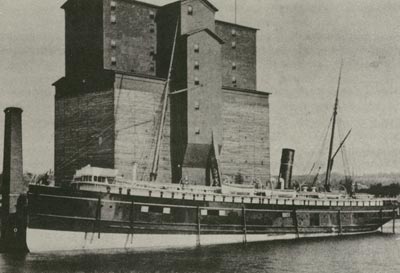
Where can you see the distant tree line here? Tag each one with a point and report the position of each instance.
(379, 190)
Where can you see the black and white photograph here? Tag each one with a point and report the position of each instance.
(196, 136)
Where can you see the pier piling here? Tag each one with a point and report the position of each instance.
(13, 188)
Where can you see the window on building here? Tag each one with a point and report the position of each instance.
(113, 5)
(113, 61)
(152, 28)
(197, 131)
(113, 19)
(113, 44)
(233, 32)
(234, 81)
(196, 48)
(233, 66)
(233, 44)
(152, 67)
(197, 105)
(196, 65)
(151, 14)
(196, 81)
(190, 10)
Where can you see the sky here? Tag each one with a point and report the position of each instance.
(300, 47)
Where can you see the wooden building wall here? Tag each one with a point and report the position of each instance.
(239, 55)
(138, 104)
(246, 149)
(84, 133)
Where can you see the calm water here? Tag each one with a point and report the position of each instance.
(372, 253)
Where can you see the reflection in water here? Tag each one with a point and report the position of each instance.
(372, 253)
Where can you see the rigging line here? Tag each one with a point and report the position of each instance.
(318, 153)
(88, 142)
(73, 159)
(345, 161)
(235, 12)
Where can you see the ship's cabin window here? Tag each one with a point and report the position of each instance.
(95, 179)
(87, 178)
(190, 10)
(110, 180)
(101, 179)
(78, 179)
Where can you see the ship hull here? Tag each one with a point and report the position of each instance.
(82, 220)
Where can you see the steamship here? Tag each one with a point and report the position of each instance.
(107, 202)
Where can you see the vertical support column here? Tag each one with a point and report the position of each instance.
(340, 222)
(13, 188)
(96, 224)
(296, 224)
(394, 221)
(244, 225)
(132, 219)
(198, 242)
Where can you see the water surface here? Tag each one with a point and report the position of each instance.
(371, 253)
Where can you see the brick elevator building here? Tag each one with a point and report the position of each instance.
(108, 107)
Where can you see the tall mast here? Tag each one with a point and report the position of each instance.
(329, 164)
(156, 158)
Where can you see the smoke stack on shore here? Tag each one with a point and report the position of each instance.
(13, 188)
(286, 169)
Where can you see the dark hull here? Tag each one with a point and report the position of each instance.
(199, 215)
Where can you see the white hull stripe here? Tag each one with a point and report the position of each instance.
(40, 240)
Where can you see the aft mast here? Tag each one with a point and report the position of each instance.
(329, 164)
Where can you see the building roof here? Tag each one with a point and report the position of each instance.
(236, 25)
(210, 32)
(207, 3)
(66, 4)
(244, 90)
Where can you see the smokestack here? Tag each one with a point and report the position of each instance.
(13, 189)
(13, 183)
(286, 167)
